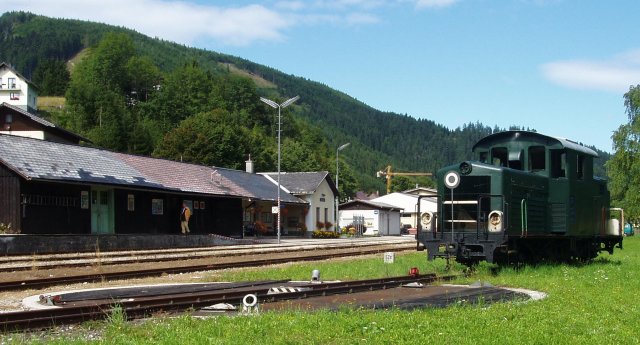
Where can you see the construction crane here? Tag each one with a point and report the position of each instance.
(388, 174)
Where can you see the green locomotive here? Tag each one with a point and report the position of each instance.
(528, 198)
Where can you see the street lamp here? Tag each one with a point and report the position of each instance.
(340, 148)
(279, 106)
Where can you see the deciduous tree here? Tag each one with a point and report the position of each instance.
(624, 166)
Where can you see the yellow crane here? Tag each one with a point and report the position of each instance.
(388, 174)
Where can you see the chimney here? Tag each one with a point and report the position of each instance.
(249, 163)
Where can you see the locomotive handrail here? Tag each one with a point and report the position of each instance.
(523, 218)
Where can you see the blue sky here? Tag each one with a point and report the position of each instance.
(559, 66)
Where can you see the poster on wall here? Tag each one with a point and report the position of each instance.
(84, 199)
(157, 206)
(131, 202)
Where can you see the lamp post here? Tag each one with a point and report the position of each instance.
(279, 106)
(340, 148)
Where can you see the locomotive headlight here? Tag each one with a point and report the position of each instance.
(465, 168)
(495, 221)
(426, 218)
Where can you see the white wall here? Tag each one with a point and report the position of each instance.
(322, 198)
(27, 95)
(385, 222)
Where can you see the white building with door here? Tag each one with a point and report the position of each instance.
(379, 218)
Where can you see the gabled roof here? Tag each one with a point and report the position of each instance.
(35, 159)
(7, 66)
(407, 202)
(302, 183)
(48, 126)
(421, 191)
(367, 204)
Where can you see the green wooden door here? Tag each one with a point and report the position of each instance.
(101, 211)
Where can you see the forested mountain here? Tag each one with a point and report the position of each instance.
(137, 94)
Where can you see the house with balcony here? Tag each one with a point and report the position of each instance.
(16, 90)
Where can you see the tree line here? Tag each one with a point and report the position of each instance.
(141, 95)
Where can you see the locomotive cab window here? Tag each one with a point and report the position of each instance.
(536, 158)
(580, 167)
(483, 157)
(499, 156)
(558, 163)
(515, 160)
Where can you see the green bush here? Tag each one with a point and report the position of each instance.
(5, 228)
(324, 234)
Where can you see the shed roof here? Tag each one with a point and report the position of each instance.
(35, 159)
(407, 202)
(367, 204)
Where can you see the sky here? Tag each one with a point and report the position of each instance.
(561, 67)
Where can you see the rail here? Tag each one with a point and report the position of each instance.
(144, 306)
(51, 281)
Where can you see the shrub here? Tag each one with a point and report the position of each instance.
(328, 225)
(319, 225)
(325, 234)
(5, 228)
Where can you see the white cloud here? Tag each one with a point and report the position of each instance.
(179, 21)
(362, 18)
(615, 74)
(188, 22)
(435, 3)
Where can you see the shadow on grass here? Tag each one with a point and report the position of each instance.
(600, 261)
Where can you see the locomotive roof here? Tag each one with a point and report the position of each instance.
(510, 136)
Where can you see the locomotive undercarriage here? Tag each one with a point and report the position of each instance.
(468, 249)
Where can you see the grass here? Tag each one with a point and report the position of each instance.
(51, 102)
(586, 304)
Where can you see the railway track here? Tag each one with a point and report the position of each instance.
(145, 306)
(26, 263)
(34, 283)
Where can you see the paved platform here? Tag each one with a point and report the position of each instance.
(50, 244)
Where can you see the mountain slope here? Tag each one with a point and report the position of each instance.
(378, 138)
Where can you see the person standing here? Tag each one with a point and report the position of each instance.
(185, 214)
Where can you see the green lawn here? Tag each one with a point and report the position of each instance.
(586, 304)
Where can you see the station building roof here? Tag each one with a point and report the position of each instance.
(35, 159)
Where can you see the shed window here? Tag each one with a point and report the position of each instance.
(536, 158)
(558, 163)
(499, 156)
